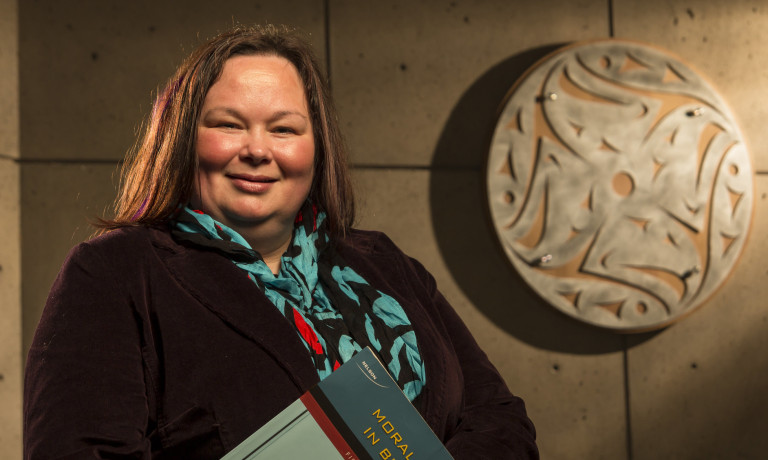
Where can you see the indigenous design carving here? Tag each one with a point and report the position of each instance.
(619, 185)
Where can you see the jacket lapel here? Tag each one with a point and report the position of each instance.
(227, 292)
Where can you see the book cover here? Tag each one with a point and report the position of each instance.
(358, 412)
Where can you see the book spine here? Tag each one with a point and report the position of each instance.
(333, 426)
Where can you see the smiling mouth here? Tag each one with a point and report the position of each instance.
(252, 184)
(251, 178)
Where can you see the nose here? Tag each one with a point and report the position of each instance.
(256, 148)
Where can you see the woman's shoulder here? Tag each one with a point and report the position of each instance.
(370, 241)
(125, 240)
(377, 249)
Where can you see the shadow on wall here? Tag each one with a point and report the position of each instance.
(465, 234)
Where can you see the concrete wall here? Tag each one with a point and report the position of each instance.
(10, 247)
(417, 85)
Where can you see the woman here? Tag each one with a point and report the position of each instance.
(230, 282)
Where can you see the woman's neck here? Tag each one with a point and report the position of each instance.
(272, 258)
(271, 245)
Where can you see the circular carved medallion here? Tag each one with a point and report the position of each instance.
(619, 184)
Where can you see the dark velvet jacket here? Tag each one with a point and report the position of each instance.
(151, 349)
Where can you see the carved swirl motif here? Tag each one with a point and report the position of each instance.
(619, 185)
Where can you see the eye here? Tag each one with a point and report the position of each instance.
(285, 130)
(222, 123)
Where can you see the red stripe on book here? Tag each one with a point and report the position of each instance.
(327, 426)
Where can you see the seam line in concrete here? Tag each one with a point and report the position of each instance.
(457, 168)
(627, 404)
(68, 161)
(383, 166)
(436, 168)
(327, 31)
(610, 19)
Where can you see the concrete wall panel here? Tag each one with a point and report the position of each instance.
(9, 83)
(725, 41)
(89, 68)
(399, 67)
(698, 388)
(10, 251)
(10, 311)
(58, 202)
(575, 399)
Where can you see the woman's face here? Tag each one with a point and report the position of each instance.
(255, 146)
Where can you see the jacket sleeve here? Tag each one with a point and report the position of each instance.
(493, 423)
(85, 394)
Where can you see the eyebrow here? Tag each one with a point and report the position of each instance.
(285, 113)
(275, 116)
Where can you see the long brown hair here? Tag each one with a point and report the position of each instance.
(159, 172)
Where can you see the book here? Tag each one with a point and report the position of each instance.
(357, 413)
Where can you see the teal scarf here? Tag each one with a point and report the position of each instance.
(335, 312)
